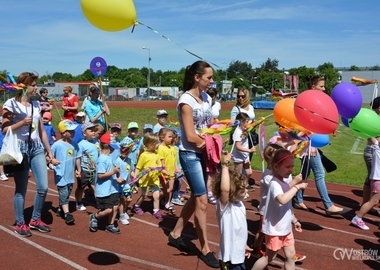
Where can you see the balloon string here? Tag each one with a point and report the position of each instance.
(306, 159)
(168, 39)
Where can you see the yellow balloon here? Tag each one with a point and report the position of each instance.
(110, 15)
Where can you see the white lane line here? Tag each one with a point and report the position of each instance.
(148, 263)
(274, 262)
(47, 251)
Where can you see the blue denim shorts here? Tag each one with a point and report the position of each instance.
(64, 193)
(194, 168)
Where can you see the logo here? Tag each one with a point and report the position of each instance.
(351, 254)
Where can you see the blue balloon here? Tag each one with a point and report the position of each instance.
(345, 121)
(319, 140)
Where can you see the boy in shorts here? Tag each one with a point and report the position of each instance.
(89, 153)
(126, 167)
(66, 152)
(106, 186)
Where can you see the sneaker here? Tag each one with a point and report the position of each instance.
(69, 218)
(358, 222)
(126, 216)
(158, 214)
(138, 210)
(177, 201)
(23, 230)
(210, 260)
(39, 225)
(3, 177)
(258, 253)
(81, 207)
(299, 257)
(178, 243)
(123, 219)
(112, 229)
(93, 223)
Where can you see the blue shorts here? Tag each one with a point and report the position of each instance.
(194, 168)
(64, 193)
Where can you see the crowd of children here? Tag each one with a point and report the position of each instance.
(105, 171)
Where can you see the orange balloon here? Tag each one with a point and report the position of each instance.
(284, 114)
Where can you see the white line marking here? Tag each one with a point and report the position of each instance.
(148, 263)
(47, 251)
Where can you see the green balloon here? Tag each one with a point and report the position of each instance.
(365, 124)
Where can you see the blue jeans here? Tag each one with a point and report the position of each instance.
(38, 166)
(319, 175)
(194, 168)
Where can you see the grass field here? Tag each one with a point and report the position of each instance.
(345, 149)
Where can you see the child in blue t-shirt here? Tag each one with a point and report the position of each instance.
(50, 132)
(89, 153)
(106, 186)
(79, 120)
(126, 167)
(66, 152)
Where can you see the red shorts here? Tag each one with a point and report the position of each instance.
(275, 243)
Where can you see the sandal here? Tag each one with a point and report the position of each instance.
(211, 199)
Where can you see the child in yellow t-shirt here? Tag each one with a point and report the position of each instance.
(148, 169)
(168, 156)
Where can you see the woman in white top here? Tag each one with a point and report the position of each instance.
(23, 116)
(194, 113)
(216, 107)
(243, 104)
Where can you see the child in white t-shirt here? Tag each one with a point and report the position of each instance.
(278, 214)
(229, 189)
(241, 150)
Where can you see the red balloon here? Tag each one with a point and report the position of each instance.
(316, 111)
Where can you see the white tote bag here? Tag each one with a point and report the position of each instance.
(10, 153)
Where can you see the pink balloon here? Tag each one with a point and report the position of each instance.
(316, 111)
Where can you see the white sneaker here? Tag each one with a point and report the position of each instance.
(358, 222)
(123, 219)
(3, 177)
(126, 216)
(81, 207)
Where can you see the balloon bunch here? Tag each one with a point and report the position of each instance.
(143, 173)
(363, 122)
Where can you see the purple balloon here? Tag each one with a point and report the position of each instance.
(345, 121)
(348, 99)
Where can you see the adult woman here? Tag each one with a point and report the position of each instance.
(19, 114)
(243, 104)
(215, 109)
(215, 104)
(70, 103)
(194, 113)
(94, 108)
(44, 102)
(315, 164)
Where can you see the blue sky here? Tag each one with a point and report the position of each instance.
(50, 36)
